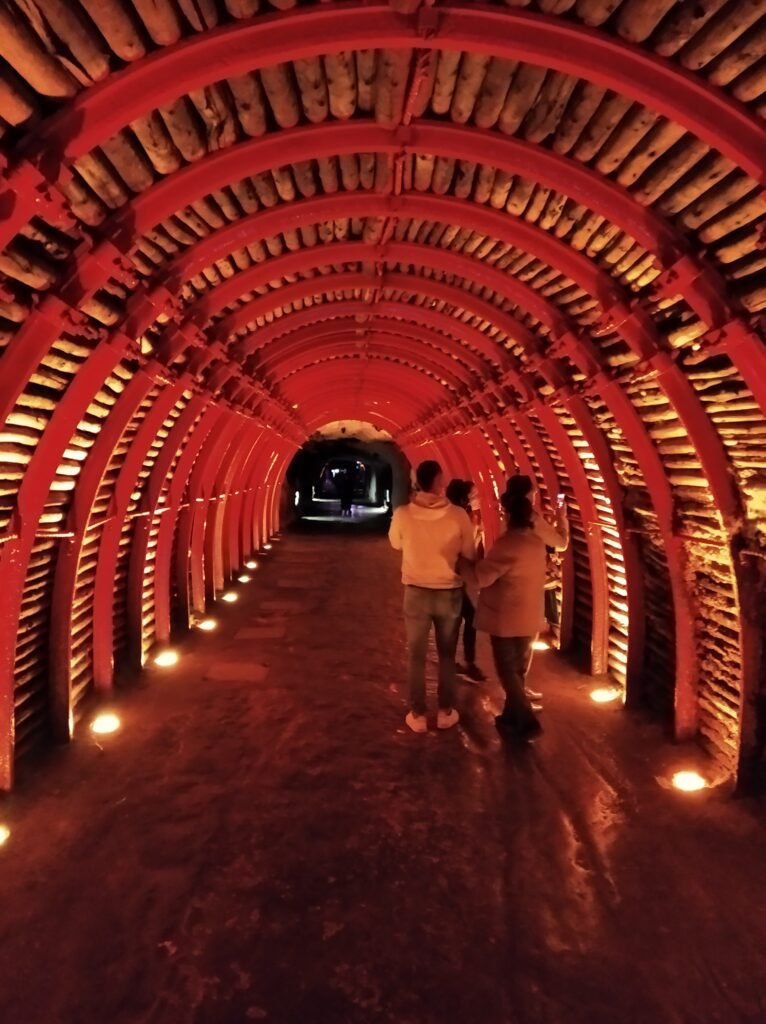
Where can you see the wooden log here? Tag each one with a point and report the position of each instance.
(84, 53)
(20, 47)
(637, 19)
(117, 25)
(366, 76)
(129, 160)
(281, 95)
(201, 14)
(156, 142)
(18, 264)
(160, 19)
(215, 109)
(265, 189)
(711, 169)
(551, 100)
(424, 169)
(749, 49)
(181, 120)
(662, 176)
(249, 102)
(720, 32)
(340, 69)
(17, 102)
(473, 68)
(445, 80)
(751, 85)
(658, 141)
(627, 137)
(246, 195)
(328, 173)
(716, 200)
(391, 86)
(466, 171)
(242, 8)
(683, 23)
(367, 170)
(596, 12)
(97, 173)
(494, 89)
(600, 127)
(312, 85)
(522, 94)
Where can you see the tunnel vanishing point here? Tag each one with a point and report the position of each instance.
(513, 236)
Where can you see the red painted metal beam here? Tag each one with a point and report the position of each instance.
(108, 549)
(65, 585)
(407, 339)
(228, 471)
(30, 503)
(175, 496)
(287, 364)
(149, 508)
(516, 35)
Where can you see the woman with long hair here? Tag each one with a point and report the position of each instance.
(459, 493)
(511, 582)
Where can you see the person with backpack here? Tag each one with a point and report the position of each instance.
(432, 534)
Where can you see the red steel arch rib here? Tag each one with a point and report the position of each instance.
(475, 28)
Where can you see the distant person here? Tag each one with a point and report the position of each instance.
(346, 493)
(432, 534)
(459, 493)
(511, 582)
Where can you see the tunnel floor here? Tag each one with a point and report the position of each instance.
(265, 841)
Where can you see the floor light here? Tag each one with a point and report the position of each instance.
(166, 659)
(105, 724)
(689, 781)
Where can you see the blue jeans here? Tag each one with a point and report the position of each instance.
(422, 609)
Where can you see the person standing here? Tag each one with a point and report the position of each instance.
(432, 534)
(511, 582)
(459, 492)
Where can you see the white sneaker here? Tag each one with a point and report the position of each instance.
(533, 694)
(418, 723)
(447, 718)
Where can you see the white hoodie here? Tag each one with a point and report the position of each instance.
(431, 533)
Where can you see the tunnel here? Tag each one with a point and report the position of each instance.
(248, 243)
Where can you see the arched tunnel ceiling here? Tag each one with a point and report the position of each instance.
(520, 235)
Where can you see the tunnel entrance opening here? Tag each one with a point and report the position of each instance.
(348, 475)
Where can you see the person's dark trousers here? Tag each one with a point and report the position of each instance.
(424, 608)
(469, 631)
(513, 656)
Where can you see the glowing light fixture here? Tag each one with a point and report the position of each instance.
(230, 597)
(208, 625)
(5, 834)
(605, 694)
(689, 781)
(267, 547)
(251, 565)
(105, 724)
(244, 578)
(540, 645)
(166, 659)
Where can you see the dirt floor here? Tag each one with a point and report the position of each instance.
(265, 841)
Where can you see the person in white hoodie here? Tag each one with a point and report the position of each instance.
(432, 535)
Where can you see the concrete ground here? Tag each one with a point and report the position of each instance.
(265, 841)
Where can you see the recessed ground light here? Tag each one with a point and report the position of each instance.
(5, 834)
(244, 578)
(540, 645)
(105, 724)
(251, 565)
(165, 659)
(230, 597)
(605, 694)
(689, 781)
(267, 547)
(207, 625)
